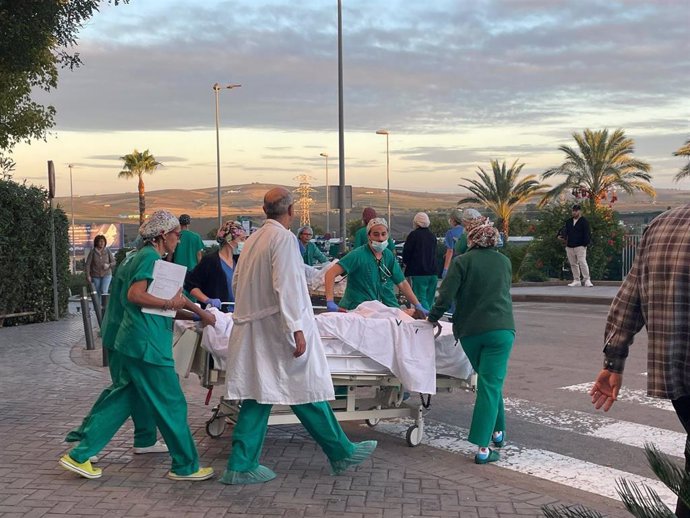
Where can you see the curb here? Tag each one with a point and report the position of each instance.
(572, 299)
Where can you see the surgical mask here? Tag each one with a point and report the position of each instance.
(379, 246)
(239, 247)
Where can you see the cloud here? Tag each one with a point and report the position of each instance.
(416, 67)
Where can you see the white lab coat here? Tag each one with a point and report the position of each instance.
(271, 303)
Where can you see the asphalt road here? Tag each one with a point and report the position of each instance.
(557, 346)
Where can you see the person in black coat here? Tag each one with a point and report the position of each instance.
(577, 235)
(211, 280)
(419, 258)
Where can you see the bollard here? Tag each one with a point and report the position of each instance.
(86, 316)
(95, 299)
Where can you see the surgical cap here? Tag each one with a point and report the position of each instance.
(185, 219)
(471, 218)
(368, 214)
(230, 228)
(421, 220)
(456, 216)
(161, 222)
(376, 221)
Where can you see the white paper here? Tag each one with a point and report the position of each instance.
(168, 279)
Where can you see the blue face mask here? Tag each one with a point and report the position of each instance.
(378, 246)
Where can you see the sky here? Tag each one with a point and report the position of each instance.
(456, 83)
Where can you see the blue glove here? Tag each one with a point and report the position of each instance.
(422, 309)
(196, 318)
(332, 306)
(213, 302)
(443, 275)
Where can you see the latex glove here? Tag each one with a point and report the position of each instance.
(196, 317)
(445, 272)
(213, 302)
(332, 306)
(422, 309)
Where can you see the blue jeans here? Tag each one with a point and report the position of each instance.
(101, 284)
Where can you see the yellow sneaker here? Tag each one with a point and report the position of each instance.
(84, 469)
(201, 474)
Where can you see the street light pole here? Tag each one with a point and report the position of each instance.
(328, 204)
(71, 202)
(388, 175)
(341, 133)
(216, 88)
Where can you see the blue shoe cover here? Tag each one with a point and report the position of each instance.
(360, 454)
(256, 476)
(499, 440)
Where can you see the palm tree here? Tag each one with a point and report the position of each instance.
(685, 171)
(600, 164)
(502, 193)
(136, 164)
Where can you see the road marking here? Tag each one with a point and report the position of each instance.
(543, 464)
(600, 426)
(628, 395)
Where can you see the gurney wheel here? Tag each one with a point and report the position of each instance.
(413, 436)
(215, 426)
(372, 422)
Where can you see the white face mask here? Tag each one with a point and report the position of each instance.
(239, 247)
(379, 246)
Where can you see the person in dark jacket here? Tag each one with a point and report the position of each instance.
(577, 235)
(419, 258)
(211, 281)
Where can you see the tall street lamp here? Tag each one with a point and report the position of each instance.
(71, 202)
(328, 204)
(216, 88)
(388, 175)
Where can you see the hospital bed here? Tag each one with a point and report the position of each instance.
(373, 390)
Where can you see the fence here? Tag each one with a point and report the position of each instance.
(630, 244)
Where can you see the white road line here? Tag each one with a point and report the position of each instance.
(591, 425)
(629, 396)
(543, 464)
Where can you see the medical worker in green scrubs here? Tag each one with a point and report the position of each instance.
(146, 371)
(142, 417)
(372, 273)
(310, 252)
(479, 283)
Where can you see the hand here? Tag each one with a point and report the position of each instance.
(207, 319)
(178, 301)
(88, 279)
(421, 309)
(213, 302)
(332, 306)
(604, 392)
(445, 272)
(300, 344)
(436, 327)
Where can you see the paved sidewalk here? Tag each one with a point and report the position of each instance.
(561, 293)
(48, 383)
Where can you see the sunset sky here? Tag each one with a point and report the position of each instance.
(456, 83)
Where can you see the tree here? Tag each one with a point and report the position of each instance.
(35, 37)
(685, 171)
(136, 164)
(601, 164)
(502, 193)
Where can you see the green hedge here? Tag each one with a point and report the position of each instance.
(25, 254)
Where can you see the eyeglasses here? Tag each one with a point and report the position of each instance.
(176, 233)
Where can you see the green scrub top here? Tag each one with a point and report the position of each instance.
(187, 249)
(369, 279)
(115, 309)
(313, 255)
(362, 238)
(461, 245)
(142, 335)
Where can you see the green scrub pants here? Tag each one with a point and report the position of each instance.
(160, 389)
(142, 416)
(488, 353)
(252, 425)
(424, 287)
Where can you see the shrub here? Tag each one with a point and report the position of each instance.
(26, 282)
(603, 253)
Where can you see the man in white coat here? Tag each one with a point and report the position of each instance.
(275, 355)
